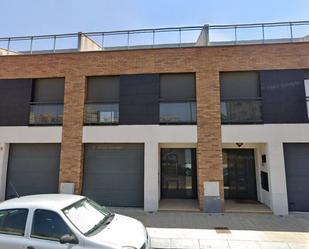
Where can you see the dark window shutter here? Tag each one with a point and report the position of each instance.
(102, 89)
(48, 90)
(177, 86)
(239, 85)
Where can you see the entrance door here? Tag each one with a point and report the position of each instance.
(178, 173)
(239, 174)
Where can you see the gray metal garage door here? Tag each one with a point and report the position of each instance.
(33, 169)
(114, 174)
(297, 174)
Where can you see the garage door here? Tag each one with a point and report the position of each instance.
(114, 174)
(33, 169)
(297, 174)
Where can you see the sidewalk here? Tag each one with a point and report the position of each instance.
(223, 231)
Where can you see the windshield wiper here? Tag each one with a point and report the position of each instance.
(105, 221)
(95, 227)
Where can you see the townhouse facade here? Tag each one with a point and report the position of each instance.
(132, 126)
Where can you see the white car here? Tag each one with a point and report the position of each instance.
(57, 221)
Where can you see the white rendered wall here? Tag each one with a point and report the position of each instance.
(273, 136)
(32, 134)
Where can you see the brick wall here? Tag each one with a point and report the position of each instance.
(206, 62)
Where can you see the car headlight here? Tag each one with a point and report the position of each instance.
(129, 247)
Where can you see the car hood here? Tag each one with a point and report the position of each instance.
(122, 231)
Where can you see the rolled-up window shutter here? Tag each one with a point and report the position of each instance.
(105, 88)
(239, 85)
(177, 86)
(48, 90)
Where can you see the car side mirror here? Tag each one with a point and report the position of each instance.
(68, 239)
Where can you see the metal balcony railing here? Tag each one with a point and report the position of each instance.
(46, 114)
(207, 35)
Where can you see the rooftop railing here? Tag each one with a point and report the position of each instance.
(207, 35)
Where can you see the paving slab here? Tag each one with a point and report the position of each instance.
(196, 230)
(213, 244)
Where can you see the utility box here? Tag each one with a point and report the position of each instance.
(212, 200)
(67, 188)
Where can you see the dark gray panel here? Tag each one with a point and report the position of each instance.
(212, 204)
(297, 175)
(306, 74)
(15, 96)
(105, 88)
(177, 86)
(283, 96)
(33, 169)
(239, 85)
(139, 99)
(114, 174)
(48, 90)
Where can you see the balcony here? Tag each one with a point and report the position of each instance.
(101, 113)
(178, 112)
(241, 111)
(193, 36)
(46, 114)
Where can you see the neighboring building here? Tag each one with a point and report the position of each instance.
(129, 125)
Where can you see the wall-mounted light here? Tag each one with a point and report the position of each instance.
(263, 158)
(239, 144)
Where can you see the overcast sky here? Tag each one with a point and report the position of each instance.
(33, 17)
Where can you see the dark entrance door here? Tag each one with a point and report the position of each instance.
(239, 174)
(178, 173)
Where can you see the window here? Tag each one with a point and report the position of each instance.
(48, 225)
(102, 101)
(97, 216)
(307, 94)
(46, 107)
(177, 99)
(241, 100)
(13, 221)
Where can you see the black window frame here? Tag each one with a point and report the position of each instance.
(307, 95)
(178, 100)
(27, 217)
(45, 238)
(41, 103)
(102, 102)
(242, 99)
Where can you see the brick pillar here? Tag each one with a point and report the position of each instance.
(209, 146)
(71, 162)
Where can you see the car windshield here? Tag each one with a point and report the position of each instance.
(87, 216)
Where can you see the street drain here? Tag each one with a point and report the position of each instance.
(222, 230)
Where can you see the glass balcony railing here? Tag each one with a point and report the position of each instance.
(101, 113)
(241, 111)
(178, 112)
(46, 114)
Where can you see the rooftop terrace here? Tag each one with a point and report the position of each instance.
(194, 36)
